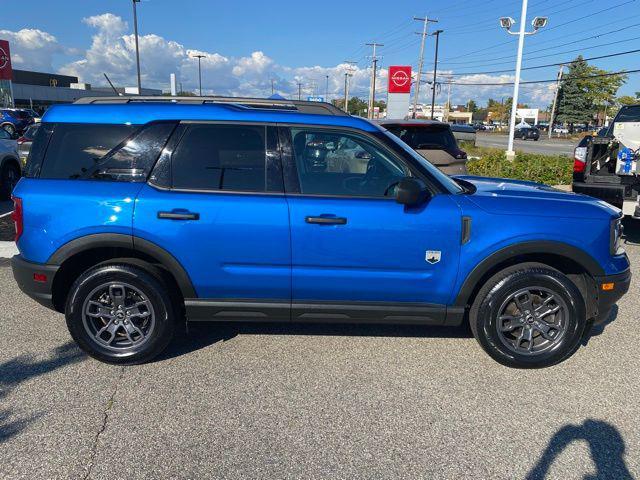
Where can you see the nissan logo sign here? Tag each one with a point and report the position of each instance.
(4, 58)
(400, 78)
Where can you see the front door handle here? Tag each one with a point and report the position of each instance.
(325, 220)
(178, 215)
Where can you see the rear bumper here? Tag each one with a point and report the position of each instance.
(25, 274)
(608, 298)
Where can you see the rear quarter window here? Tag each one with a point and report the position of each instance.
(97, 152)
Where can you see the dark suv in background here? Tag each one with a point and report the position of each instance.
(433, 140)
(14, 120)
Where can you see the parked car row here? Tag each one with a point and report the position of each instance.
(271, 212)
(16, 120)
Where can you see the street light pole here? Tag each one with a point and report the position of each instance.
(199, 57)
(555, 101)
(507, 22)
(135, 30)
(326, 90)
(435, 70)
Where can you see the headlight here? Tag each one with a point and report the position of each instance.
(615, 242)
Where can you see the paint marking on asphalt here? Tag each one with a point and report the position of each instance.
(8, 249)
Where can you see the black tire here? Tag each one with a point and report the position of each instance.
(9, 176)
(487, 309)
(158, 313)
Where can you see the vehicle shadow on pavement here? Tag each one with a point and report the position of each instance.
(14, 372)
(204, 334)
(605, 443)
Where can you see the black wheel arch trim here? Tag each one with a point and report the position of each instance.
(560, 249)
(119, 240)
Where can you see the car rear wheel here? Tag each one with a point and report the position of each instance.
(529, 316)
(120, 314)
(9, 177)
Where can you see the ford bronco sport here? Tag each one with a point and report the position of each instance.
(136, 213)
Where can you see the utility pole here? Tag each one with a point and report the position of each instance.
(299, 91)
(347, 75)
(555, 100)
(272, 88)
(374, 65)
(435, 72)
(425, 27)
(199, 57)
(135, 30)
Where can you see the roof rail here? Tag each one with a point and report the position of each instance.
(318, 108)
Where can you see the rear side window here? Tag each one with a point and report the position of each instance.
(629, 114)
(221, 157)
(422, 138)
(102, 152)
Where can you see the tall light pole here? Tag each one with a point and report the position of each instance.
(347, 75)
(199, 57)
(507, 23)
(435, 72)
(326, 90)
(135, 31)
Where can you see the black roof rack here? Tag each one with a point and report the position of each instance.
(318, 108)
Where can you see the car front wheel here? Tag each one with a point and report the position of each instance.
(529, 316)
(120, 314)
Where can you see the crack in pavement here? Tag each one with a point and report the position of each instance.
(103, 427)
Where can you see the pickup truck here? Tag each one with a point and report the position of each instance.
(606, 166)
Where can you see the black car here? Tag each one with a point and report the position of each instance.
(527, 133)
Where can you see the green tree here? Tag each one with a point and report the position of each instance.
(585, 91)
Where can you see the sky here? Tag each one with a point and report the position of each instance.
(250, 46)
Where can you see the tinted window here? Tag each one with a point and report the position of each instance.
(220, 157)
(38, 149)
(336, 163)
(76, 149)
(31, 131)
(424, 138)
(4, 135)
(629, 114)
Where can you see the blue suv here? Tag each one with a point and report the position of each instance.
(135, 214)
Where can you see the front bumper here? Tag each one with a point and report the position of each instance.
(35, 279)
(616, 286)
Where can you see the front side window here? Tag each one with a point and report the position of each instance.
(341, 163)
(220, 157)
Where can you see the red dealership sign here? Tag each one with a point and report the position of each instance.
(400, 79)
(6, 73)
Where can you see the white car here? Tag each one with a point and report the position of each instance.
(10, 170)
(561, 130)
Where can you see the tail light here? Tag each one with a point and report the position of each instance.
(17, 216)
(21, 140)
(579, 159)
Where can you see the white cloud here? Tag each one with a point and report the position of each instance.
(32, 49)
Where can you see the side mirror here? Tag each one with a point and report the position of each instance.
(362, 155)
(411, 192)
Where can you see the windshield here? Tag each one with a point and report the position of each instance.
(445, 180)
(629, 114)
(421, 137)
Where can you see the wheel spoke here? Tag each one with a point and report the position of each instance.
(549, 311)
(130, 329)
(513, 322)
(117, 295)
(100, 310)
(546, 329)
(134, 310)
(111, 328)
(524, 302)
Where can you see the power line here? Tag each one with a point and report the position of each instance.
(610, 74)
(617, 54)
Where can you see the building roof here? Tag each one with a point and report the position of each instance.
(139, 113)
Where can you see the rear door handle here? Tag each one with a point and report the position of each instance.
(178, 215)
(323, 220)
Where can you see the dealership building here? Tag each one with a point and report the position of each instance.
(39, 90)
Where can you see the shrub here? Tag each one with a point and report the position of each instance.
(549, 169)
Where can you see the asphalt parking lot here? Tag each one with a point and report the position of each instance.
(545, 146)
(274, 401)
